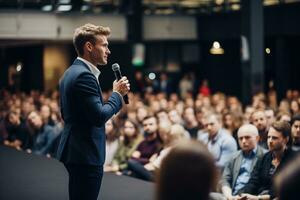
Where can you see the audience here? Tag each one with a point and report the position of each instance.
(295, 122)
(147, 148)
(238, 170)
(43, 134)
(112, 141)
(260, 185)
(32, 122)
(220, 142)
(259, 120)
(127, 145)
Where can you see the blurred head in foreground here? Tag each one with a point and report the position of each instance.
(187, 172)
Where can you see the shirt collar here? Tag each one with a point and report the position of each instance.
(216, 137)
(251, 154)
(92, 67)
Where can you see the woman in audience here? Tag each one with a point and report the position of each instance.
(128, 143)
(112, 141)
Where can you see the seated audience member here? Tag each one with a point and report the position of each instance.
(43, 135)
(149, 146)
(45, 112)
(175, 117)
(259, 119)
(295, 122)
(162, 115)
(15, 131)
(260, 185)
(295, 107)
(112, 141)
(237, 171)
(288, 180)
(128, 144)
(270, 116)
(190, 121)
(284, 116)
(219, 142)
(187, 172)
(170, 137)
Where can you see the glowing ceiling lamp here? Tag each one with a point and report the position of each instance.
(216, 49)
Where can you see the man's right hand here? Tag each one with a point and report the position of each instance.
(121, 86)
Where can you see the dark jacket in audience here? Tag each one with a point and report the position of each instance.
(261, 181)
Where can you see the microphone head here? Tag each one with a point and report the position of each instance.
(115, 67)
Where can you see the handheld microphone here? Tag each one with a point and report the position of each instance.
(116, 69)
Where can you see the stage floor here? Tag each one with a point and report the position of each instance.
(30, 177)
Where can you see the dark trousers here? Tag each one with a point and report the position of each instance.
(84, 181)
(139, 171)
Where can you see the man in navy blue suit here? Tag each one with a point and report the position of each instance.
(82, 144)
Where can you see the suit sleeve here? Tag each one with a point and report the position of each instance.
(227, 174)
(97, 113)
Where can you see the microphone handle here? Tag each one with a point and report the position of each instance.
(118, 76)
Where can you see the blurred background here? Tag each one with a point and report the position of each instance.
(239, 47)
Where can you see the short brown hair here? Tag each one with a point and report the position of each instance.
(87, 33)
(284, 128)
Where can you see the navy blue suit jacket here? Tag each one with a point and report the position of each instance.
(84, 114)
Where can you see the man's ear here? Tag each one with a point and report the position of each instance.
(257, 138)
(88, 45)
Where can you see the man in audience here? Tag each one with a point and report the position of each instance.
(14, 130)
(237, 171)
(175, 117)
(190, 121)
(148, 147)
(295, 122)
(270, 116)
(260, 121)
(260, 185)
(43, 134)
(219, 142)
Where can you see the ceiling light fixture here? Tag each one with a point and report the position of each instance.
(47, 8)
(64, 8)
(216, 49)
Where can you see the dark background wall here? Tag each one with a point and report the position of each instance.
(282, 36)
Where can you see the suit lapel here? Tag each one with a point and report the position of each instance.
(237, 166)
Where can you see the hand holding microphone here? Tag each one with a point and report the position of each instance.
(121, 84)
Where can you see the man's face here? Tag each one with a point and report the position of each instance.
(296, 130)
(174, 116)
(45, 112)
(150, 125)
(228, 120)
(162, 116)
(247, 140)
(276, 141)
(35, 120)
(189, 115)
(259, 120)
(270, 117)
(14, 118)
(99, 51)
(212, 125)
